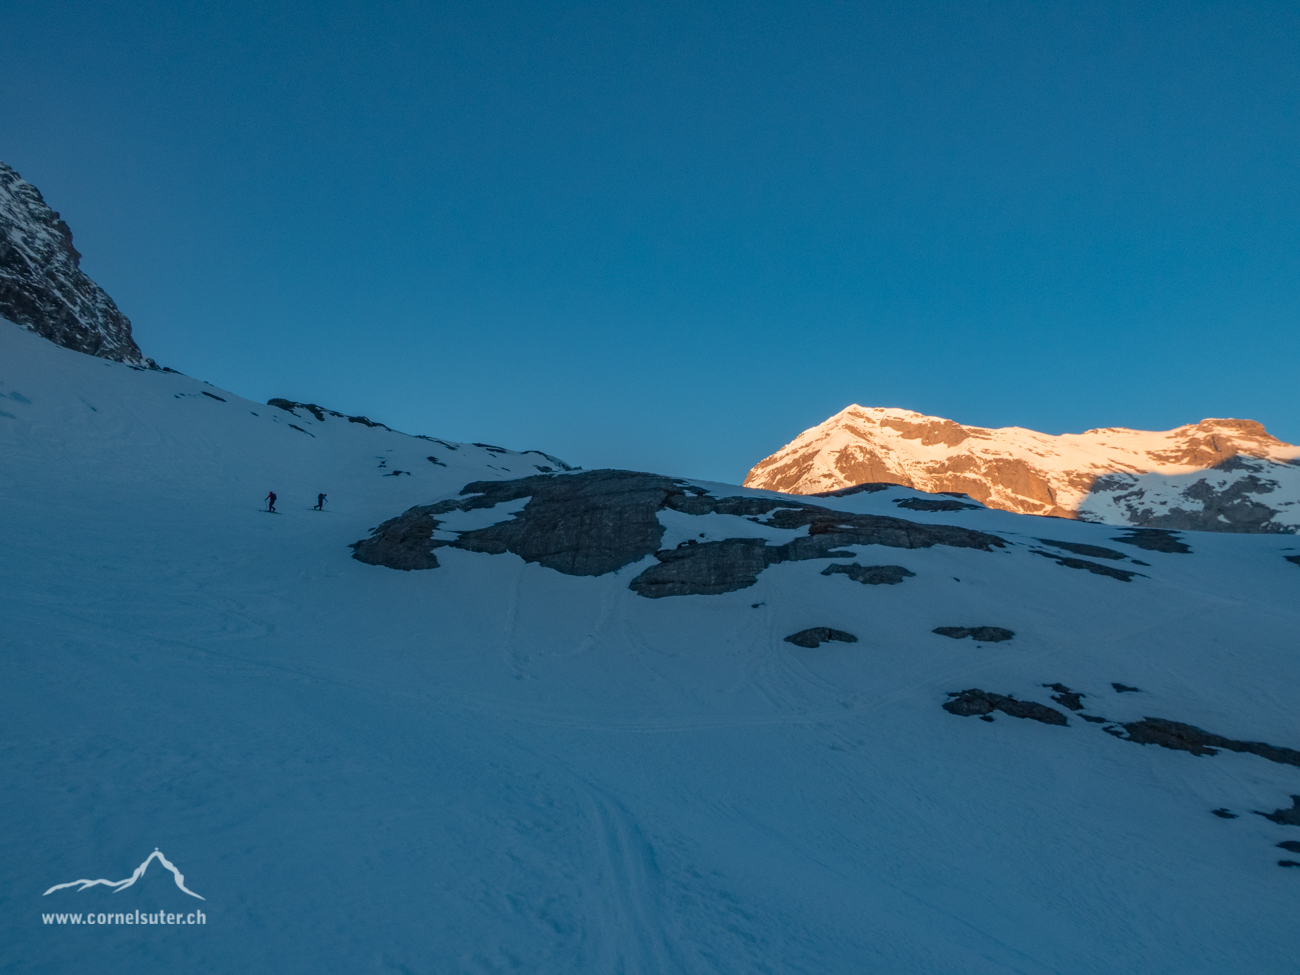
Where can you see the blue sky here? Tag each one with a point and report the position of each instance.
(670, 236)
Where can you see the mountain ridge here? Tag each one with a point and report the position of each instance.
(42, 286)
(1221, 474)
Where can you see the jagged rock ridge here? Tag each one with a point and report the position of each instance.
(42, 286)
(1216, 475)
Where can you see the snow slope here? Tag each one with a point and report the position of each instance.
(1216, 475)
(494, 766)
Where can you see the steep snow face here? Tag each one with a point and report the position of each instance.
(42, 286)
(513, 760)
(1216, 475)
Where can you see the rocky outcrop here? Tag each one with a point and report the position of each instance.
(974, 702)
(817, 635)
(594, 522)
(42, 286)
(981, 634)
(1188, 738)
(1096, 568)
(1216, 475)
(870, 575)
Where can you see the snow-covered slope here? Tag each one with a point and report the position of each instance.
(1216, 475)
(42, 286)
(500, 764)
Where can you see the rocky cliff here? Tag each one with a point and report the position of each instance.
(42, 286)
(1216, 475)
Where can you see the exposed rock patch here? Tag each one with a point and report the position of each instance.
(870, 487)
(817, 635)
(42, 286)
(1096, 568)
(1066, 697)
(982, 634)
(1284, 817)
(934, 504)
(1154, 540)
(1224, 813)
(870, 575)
(1291, 846)
(594, 522)
(975, 702)
(1188, 738)
(1078, 548)
(1125, 689)
(1293, 559)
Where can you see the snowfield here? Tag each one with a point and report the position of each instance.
(493, 766)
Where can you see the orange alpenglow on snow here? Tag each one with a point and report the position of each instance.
(1216, 475)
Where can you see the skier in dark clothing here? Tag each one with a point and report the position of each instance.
(320, 502)
(270, 502)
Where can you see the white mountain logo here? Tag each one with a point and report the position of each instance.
(122, 885)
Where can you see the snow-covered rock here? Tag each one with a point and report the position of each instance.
(1216, 475)
(42, 286)
(987, 743)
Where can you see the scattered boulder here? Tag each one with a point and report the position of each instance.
(1125, 689)
(1078, 548)
(975, 702)
(1154, 540)
(869, 575)
(1224, 813)
(1284, 817)
(982, 634)
(1096, 568)
(818, 635)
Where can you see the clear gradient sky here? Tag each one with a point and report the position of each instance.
(670, 236)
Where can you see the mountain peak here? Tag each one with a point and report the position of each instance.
(42, 286)
(1211, 476)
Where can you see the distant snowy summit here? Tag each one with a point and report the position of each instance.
(1217, 475)
(42, 286)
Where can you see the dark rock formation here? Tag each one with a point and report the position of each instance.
(1078, 548)
(1208, 504)
(1066, 697)
(1291, 846)
(1224, 813)
(1284, 817)
(982, 634)
(1125, 689)
(715, 567)
(1096, 568)
(1154, 540)
(934, 504)
(869, 575)
(42, 286)
(975, 702)
(870, 487)
(1293, 559)
(1187, 738)
(818, 635)
(594, 522)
